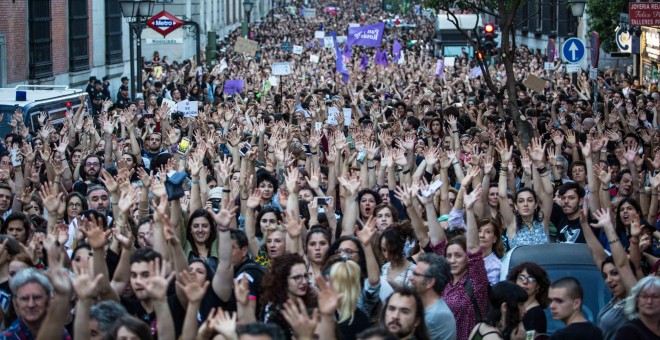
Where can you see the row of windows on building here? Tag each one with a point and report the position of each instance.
(40, 39)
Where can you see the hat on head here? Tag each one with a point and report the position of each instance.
(215, 193)
(92, 78)
(124, 78)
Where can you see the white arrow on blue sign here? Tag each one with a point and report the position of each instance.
(573, 50)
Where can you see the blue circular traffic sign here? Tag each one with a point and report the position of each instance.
(573, 50)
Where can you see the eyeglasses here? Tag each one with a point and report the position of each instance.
(415, 274)
(646, 297)
(92, 164)
(74, 205)
(26, 299)
(346, 251)
(526, 279)
(299, 278)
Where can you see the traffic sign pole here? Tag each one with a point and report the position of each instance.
(593, 73)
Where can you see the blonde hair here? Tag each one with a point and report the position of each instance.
(345, 276)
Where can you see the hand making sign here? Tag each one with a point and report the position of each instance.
(164, 23)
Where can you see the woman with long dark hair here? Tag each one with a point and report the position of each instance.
(505, 313)
(286, 279)
(201, 238)
(534, 280)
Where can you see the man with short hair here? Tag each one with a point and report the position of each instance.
(259, 331)
(403, 315)
(566, 305)
(429, 279)
(566, 215)
(244, 267)
(5, 200)
(32, 294)
(98, 198)
(101, 317)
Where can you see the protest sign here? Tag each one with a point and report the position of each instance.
(281, 69)
(328, 42)
(246, 46)
(348, 113)
(233, 86)
(333, 112)
(319, 34)
(534, 83)
(274, 81)
(314, 59)
(297, 49)
(309, 12)
(188, 108)
(450, 61)
(171, 106)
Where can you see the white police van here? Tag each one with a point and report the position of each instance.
(55, 100)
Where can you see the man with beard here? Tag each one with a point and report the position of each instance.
(566, 215)
(152, 148)
(429, 279)
(89, 174)
(403, 315)
(98, 199)
(5, 200)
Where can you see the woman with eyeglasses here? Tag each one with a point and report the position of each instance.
(643, 309)
(534, 280)
(286, 279)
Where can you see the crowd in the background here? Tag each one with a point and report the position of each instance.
(311, 206)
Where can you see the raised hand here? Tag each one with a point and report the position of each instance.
(291, 179)
(504, 150)
(294, 226)
(51, 200)
(109, 181)
(314, 178)
(536, 151)
(295, 313)
(224, 216)
(93, 230)
(193, 291)
(367, 232)
(352, 185)
(84, 284)
(156, 284)
(327, 297)
(473, 197)
(127, 199)
(603, 218)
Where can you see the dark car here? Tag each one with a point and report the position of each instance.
(562, 260)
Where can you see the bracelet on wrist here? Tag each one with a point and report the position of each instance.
(613, 241)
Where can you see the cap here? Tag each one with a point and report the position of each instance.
(124, 78)
(215, 193)
(92, 78)
(105, 78)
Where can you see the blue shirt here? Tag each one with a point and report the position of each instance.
(20, 331)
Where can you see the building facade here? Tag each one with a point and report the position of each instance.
(64, 42)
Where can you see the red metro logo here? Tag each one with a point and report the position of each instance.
(164, 23)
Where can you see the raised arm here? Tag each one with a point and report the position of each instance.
(472, 235)
(250, 224)
(156, 288)
(97, 239)
(351, 187)
(224, 274)
(618, 252)
(194, 294)
(58, 313)
(505, 209)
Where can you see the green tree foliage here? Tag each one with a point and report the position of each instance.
(604, 18)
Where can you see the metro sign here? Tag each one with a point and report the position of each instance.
(164, 23)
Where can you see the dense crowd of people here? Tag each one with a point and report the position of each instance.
(372, 203)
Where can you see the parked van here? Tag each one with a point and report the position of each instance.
(53, 99)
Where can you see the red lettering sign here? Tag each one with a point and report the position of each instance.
(164, 23)
(644, 13)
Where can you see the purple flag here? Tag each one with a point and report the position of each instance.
(233, 86)
(440, 68)
(339, 62)
(475, 72)
(396, 51)
(346, 52)
(369, 36)
(364, 62)
(377, 57)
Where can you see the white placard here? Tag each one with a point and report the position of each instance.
(328, 42)
(171, 106)
(353, 24)
(314, 59)
(274, 81)
(281, 69)
(573, 68)
(319, 34)
(333, 112)
(297, 49)
(450, 61)
(309, 12)
(549, 66)
(188, 108)
(341, 39)
(348, 113)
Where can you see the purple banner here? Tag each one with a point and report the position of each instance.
(440, 68)
(396, 50)
(369, 36)
(233, 86)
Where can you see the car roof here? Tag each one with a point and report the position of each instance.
(553, 254)
(8, 95)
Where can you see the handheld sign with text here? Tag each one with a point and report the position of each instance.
(333, 112)
(319, 34)
(314, 59)
(328, 42)
(297, 49)
(246, 46)
(164, 23)
(281, 69)
(233, 86)
(188, 108)
(368, 36)
(348, 114)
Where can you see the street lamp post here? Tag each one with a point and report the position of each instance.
(247, 8)
(136, 13)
